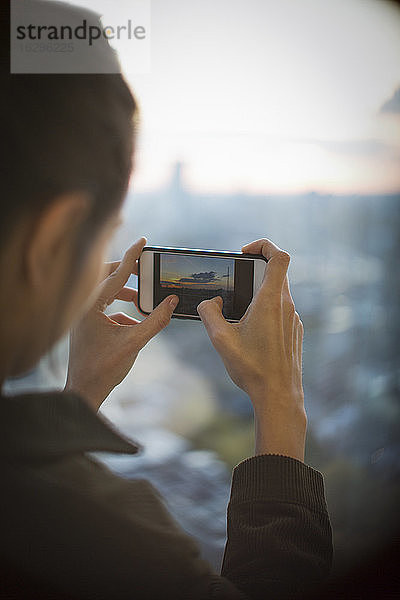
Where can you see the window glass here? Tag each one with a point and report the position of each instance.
(279, 120)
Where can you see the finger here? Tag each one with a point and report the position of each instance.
(299, 342)
(261, 246)
(111, 266)
(128, 294)
(156, 320)
(286, 287)
(118, 278)
(288, 326)
(296, 321)
(141, 312)
(275, 270)
(210, 312)
(268, 249)
(123, 319)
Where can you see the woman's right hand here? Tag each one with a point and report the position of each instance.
(263, 354)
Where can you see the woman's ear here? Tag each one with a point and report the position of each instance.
(52, 236)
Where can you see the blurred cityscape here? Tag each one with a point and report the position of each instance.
(196, 425)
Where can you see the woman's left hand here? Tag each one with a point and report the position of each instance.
(103, 348)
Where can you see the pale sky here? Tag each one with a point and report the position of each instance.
(270, 96)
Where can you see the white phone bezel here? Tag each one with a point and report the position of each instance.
(146, 283)
(259, 270)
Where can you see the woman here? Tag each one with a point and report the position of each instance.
(71, 528)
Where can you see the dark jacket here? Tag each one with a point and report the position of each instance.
(70, 528)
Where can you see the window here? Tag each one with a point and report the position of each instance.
(279, 120)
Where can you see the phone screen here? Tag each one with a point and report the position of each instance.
(194, 278)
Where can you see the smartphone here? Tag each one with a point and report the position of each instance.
(195, 274)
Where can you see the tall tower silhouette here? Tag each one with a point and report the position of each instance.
(176, 187)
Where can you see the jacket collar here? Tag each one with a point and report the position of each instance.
(54, 424)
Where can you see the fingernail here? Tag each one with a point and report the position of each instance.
(173, 301)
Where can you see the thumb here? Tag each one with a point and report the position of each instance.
(157, 319)
(210, 312)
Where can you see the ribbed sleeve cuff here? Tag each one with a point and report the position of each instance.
(274, 477)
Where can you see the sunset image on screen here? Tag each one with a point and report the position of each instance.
(196, 278)
(196, 272)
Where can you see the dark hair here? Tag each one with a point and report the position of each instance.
(62, 133)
